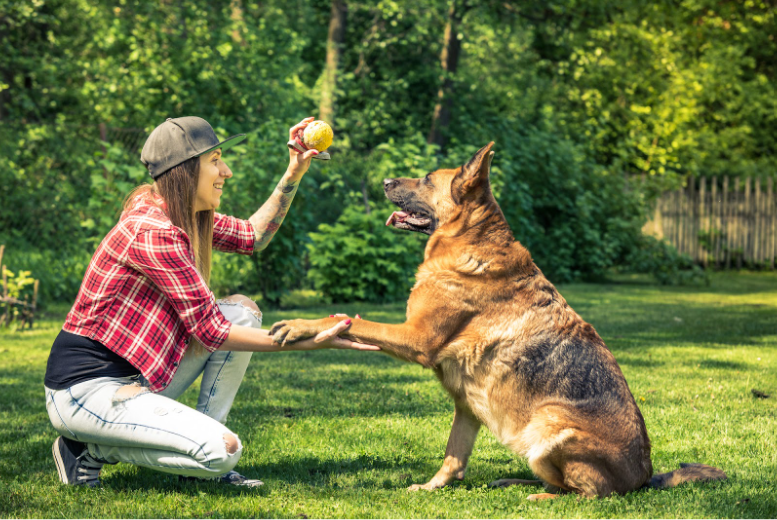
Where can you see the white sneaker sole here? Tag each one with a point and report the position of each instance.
(59, 462)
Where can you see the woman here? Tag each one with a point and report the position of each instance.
(118, 364)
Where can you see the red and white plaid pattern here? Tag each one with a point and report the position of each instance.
(142, 296)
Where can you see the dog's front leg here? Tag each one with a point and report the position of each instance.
(410, 341)
(460, 443)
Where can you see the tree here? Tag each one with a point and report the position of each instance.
(449, 62)
(334, 43)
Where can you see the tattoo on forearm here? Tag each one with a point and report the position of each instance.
(269, 217)
(286, 188)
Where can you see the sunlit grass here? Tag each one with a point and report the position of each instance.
(342, 434)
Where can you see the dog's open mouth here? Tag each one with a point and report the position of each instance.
(409, 221)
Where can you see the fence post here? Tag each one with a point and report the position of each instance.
(735, 223)
(714, 224)
(691, 212)
(693, 207)
(758, 227)
(704, 251)
(724, 212)
(678, 195)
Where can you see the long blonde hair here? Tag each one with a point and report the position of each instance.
(178, 189)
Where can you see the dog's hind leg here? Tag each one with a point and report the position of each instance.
(460, 443)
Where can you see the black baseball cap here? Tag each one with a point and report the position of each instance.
(178, 140)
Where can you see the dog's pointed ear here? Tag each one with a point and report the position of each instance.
(474, 172)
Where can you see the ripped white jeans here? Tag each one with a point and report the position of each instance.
(153, 429)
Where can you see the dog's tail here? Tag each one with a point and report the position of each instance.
(686, 473)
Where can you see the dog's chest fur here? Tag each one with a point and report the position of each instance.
(516, 341)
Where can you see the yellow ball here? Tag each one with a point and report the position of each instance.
(318, 135)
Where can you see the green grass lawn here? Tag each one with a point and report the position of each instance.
(342, 434)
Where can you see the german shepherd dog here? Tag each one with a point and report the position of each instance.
(508, 348)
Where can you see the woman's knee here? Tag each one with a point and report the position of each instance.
(225, 458)
(241, 309)
(243, 300)
(232, 443)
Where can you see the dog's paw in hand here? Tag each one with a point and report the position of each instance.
(289, 331)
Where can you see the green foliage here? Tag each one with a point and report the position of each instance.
(391, 49)
(579, 95)
(359, 258)
(257, 167)
(576, 218)
(19, 286)
(16, 283)
(302, 299)
(664, 263)
(112, 179)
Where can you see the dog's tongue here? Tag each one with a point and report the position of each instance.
(397, 215)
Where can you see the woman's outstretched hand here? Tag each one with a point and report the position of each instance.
(299, 162)
(330, 338)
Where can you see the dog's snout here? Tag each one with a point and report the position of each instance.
(389, 183)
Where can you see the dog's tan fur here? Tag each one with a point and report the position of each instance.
(507, 347)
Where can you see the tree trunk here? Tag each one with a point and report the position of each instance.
(236, 16)
(334, 43)
(449, 59)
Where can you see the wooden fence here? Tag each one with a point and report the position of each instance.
(720, 221)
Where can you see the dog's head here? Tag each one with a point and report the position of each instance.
(431, 202)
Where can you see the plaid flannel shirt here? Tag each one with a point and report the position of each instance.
(142, 296)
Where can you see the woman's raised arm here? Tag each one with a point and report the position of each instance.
(269, 217)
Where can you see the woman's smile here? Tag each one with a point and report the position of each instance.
(213, 174)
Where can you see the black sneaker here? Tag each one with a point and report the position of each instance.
(75, 465)
(233, 477)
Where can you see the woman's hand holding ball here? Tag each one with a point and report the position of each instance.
(308, 139)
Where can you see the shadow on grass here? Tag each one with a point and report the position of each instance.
(741, 498)
(307, 471)
(718, 364)
(398, 474)
(657, 325)
(322, 394)
(639, 361)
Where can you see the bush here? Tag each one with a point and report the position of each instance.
(662, 261)
(303, 298)
(577, 219)
(359, 258)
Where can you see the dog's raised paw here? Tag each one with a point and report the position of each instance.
(275, 326)
(290, 331)
(279, 332)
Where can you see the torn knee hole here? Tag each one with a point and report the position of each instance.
(128, 392)
(232, 443)
(245, 301)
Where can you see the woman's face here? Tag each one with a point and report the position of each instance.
(213, 173)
